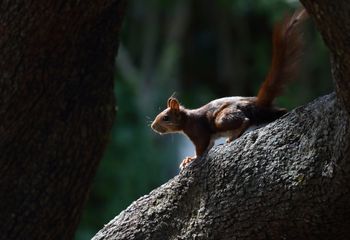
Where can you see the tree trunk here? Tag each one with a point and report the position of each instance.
(288, 180)
(56, 110)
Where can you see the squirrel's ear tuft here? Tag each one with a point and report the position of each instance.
(168, 103)
(170, 98)
(173, 103)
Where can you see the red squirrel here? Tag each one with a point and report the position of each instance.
(231, 116)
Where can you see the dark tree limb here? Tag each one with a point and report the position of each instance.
(288, 180)
(56, 108)
(333, 21)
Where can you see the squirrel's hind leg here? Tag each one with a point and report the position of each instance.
(233, 122)
(236, 133)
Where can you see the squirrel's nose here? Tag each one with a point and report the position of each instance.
(158, 128)
(152, 125)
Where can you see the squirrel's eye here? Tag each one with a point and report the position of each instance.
(165, 118)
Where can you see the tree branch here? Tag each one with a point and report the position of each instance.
(283, 180)
(57, 109)
(288, 180)
(332, 20)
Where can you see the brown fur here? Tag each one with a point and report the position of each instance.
(286, 52)
(231, 116)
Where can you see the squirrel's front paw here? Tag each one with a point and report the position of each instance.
(186, 161)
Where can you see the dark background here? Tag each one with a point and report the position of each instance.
(202, 50)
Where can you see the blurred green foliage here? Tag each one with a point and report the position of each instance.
(203, 50)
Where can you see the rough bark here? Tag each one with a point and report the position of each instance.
(333, 21)
(288, 180)
(284, 181)
(56, 109)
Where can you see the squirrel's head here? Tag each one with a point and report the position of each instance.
(171, 119)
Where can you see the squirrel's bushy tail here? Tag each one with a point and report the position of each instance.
(286, 52)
